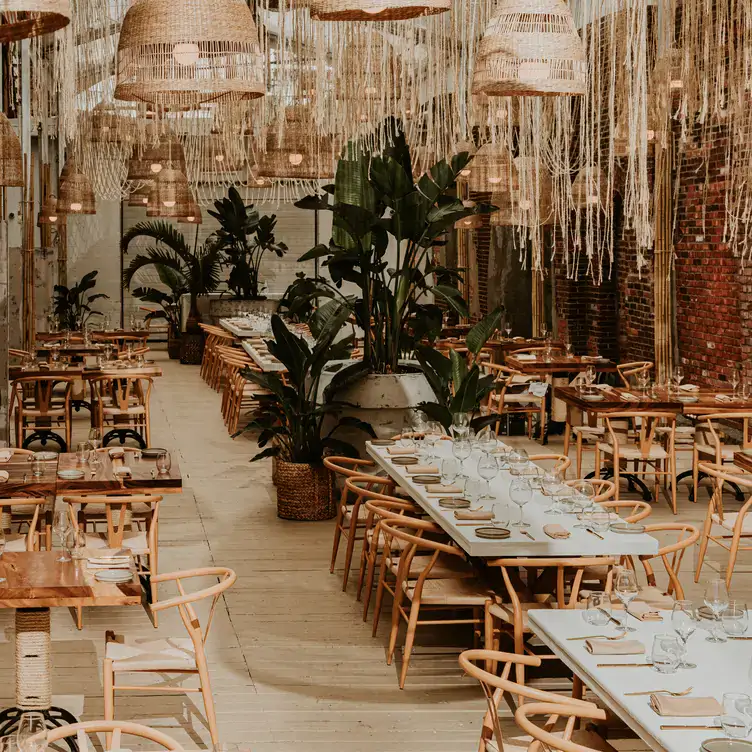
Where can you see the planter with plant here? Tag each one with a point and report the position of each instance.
(292, 420)
(385, 230)
(183, 270)
(71, 306)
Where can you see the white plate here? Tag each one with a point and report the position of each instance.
(593, 397)
(70, 474)
(726, 745)
(45, 456)
(688, 398)
(114, 575)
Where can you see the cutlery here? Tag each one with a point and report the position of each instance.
(592, 532)
(610, 618)
(599, 636)
(688, 728)
(525, 532)
(740, 638)
(624, 665)
(660, 692)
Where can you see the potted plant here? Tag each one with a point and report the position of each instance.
(72, 306)
(291, 421)
(170, 311)
(182, 269)
(244, 238)
(385, 229)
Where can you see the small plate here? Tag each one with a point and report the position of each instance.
(152, 452)
(426, 480)
(593, 397)
(495, 533)
(450, 503)
(401, 459)
(383, 442)
(725, 745)
(45, 456)
(70, 474)
(114, 575)
(626, 528)
(687, 399)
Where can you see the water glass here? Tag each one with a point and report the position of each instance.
(82, 452)
(406, 436)
(666, 653)
(685, 620)
(520, 493)
(597, 519)
(462, 449)
(76, 543)
(717, 600)
(598, 612)
(735, 619)
(37, 467)
(501, 514)
(518, 461)
(474, 488)
(450, 468)
(164, 463)
(737, 715)
(626, 590)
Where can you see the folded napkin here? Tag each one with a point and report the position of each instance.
(437, 489)
(723, 398)
(685, 707)
(422, 470)
(615, 647)
(556, 531)
(5, 455)
(526, 356)
(629, 397)
(518, 339)
(689, 388)
(466, 514)
(4, 475)
(592, 358)
(115, 453)
(122, 470)
(107, 564)
(400, 450)
(612, 517)
(538, 389)
(644, 611)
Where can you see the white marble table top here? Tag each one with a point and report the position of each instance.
(264, 360)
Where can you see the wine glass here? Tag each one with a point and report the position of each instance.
(520, 493)
(487, 469)
(95, 437)
(164, 463)
(582, 497)
(406, 435)
(735, 380)
(517, 460)
(678, 376)
(568, 348)
(434, 432)
(590, 375)
(684, 620)
(550, 487)
(486, 441)
(626, 590)
(60, 525)
(461, 420)
(508, 330)
(643, 379)
(30, 725)
(462, 449)
(717, 600)
(450, 468)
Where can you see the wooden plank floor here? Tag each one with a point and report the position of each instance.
(293, 665)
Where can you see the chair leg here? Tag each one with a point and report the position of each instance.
(379, 597)
(705, 540)
(206, 693)
(412, 626)
(398, 595)
(733, 553)
(350, 543)
(337, 536)
(370, 563)
(695, 474)
(108, 685)
(79, 618)
(579, 455)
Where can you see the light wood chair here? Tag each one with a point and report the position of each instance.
(123, 401)
(561, 463)
(174, 655)
(459, 589)
(549, 583)
(546, 740)
(39, 407)
(671, 556)
(736, 525)
(511, 397)
(604, 490)
(113, 731)
(23, 514)
(497, 687)
(630, 511)
(640, 446)
(625, 370)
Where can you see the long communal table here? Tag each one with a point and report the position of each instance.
(579, 543)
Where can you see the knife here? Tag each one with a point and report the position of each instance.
(610, 618)
(688, 728)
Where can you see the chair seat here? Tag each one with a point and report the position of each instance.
(727, 450)
(133, 410)
(362, 514)
(147, 654)
(451, 592)
(396, 545)
(630, 452)
(51, 413)
(505, 611)
(522, 398)
(679, 431)
(583, 737)
(134, 540)
(729, 520)
(15, 542)
(446, 567)
(586, 431)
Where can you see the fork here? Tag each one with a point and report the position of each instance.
(598, 636)
(660, 692)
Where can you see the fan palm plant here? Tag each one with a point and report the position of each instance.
(184, 270)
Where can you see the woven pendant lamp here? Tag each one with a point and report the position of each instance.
(490, 169)
(48, 213)
(76, 193)
(11, 161)
(186, 52)
(530, 48)
(194, 216)
(21, 19)
(375, 10)
(473, 222)
(530, 190)
(170, 196)
(590, 189)
(140, 197)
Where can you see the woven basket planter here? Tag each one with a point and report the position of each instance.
(174, 343)
(191, 349)
(304, 492)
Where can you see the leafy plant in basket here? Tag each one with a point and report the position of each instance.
(459, 388)
(385, 228)
(72, 305)
(244, 237)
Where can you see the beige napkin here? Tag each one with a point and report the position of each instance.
(5, 455)
(615, 647)
(685, 707)
(723, 398)
(556, 531)
(689, 388)
(422, 470)
(437, 489)
(121, 470)
(400, 450)
(115, 453)
(464, 514)
(4, 475)
(629, 397)
(644, 611)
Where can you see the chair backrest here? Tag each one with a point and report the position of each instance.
(636, 510)
(604, 489)
(671, 554)
(561, 462)
(625, 370)
(706, 430)
(498, 686)
(24, 505)
(644, 423)
(117, 728)
(544, 738)
(348, 467)
(120, 391)
(727, 474)
(41, 388)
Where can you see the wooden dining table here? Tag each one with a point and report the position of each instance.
(80, 371)
(22, 482)
(558, 362)
(35, 582)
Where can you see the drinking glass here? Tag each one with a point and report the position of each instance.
(486, 441)
(106, 322)
(29, 726)
(590, 375)
(406, 435)
(487, 469)
(76, 543)
(643, 380)
(684, 620)
(735, 381)
(568, 347)
(517, 461)
(520, 493)
(626, 590)
(462, 449)
(82, 452)
(450, 469)
(503, 458)
(583, 494)
(666, 652)
(734, 619)
(737, 715)
(2, 548)
(60, 525)
(678, 376)
(461, 420)
(37, 467)
(717, 600)
(508, 330)
(597, 519)
(434, 432)
(501, 514)
(164, 463)
(598, 612)
(95, 437)
(474, 490)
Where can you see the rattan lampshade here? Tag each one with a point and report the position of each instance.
(11, 161)
(530, 47)
(529, 202)
(185, 52)
(170, 196)
(489, 170)
(76, 193)
(375, 10)
(48, 213)
(590, 189)
(140, 197)
(20, 19)
(215, 155)
(194, 216)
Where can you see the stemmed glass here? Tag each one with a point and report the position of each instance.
(460, 424)
(568, 348)
(735, 381)
(517, 460)
(486, 441)
(550, 486)
(583, 496)
(164, 463)
(678, 377)
(643, 379)
(462, 449)
(406, 435)
(717, 600)
(684, 620)
(590, 375)
(61, 524)
(488, 467)
(520, 493)
(625, 588)
(95, 438)
(433, 434)
(508, 330)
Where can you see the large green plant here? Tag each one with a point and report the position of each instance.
(393, 290)
(182, 269)
(72, 306)
(244, 238)
(293, 417)
(459, 387)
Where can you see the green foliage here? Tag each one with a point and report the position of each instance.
(291, 420)
(458, 389)
(72, 306)
(375, 200)
(244, 237)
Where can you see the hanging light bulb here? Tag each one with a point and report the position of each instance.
(186, 54)
(295, 159)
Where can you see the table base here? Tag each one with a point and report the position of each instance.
(632, 481)
(44, 435)
(10, 719)
(122, 435)
(688, 474)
